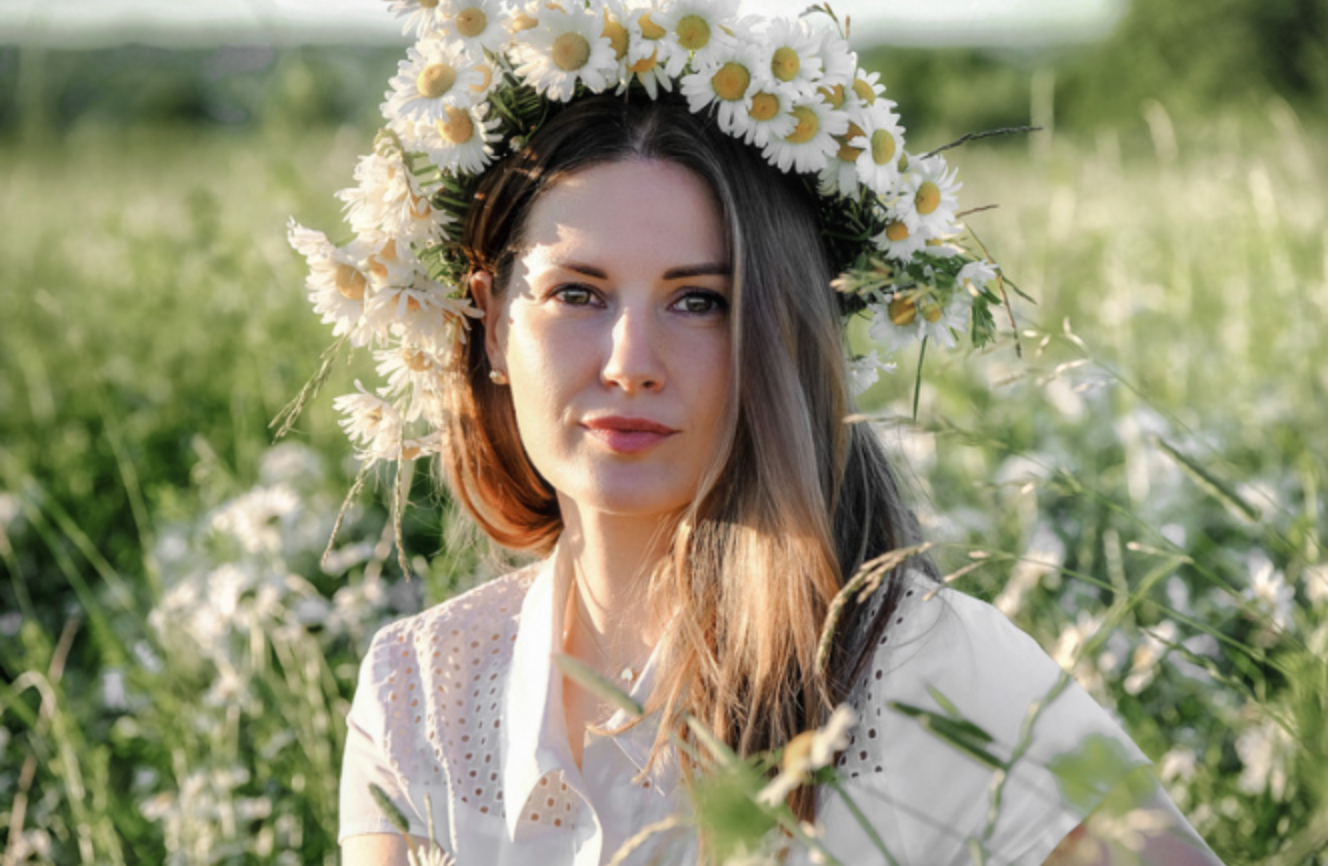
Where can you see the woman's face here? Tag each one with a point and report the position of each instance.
(615, 336)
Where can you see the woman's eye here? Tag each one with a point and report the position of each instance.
(701, 303)
(576, 296)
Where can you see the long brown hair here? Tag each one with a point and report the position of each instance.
(795, 500)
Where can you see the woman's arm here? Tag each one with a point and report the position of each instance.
(1152, 834)
(379, 849)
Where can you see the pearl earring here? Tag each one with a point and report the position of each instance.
(498, 377)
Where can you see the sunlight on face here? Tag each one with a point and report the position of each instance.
(615, 335)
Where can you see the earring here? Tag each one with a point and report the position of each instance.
(498, 377)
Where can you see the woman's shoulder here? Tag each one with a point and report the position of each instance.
(473, 628)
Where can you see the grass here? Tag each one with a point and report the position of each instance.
(1144, 489)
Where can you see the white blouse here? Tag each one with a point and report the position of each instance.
(460, 706)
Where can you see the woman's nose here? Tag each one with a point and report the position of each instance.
(634, 362)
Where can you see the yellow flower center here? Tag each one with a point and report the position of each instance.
(765, 106)
(417, 361)
(523, 21)
(389, 251)
(471, 22)
(731, 81)
(848, 152)
(650, 29)
(897, 231)
(901, 310)
(833, 96)
(412, 304)
(618, 36)
(486, 76)
(927, 198)
(350, 282)
(378, 268)
(806, 125)
(571, 51)
(435, 80)
(864, 91)
(429, 4)
(694, 32)
(458, 128)
(904, 162)
(645, 65)
(420, 208)
(884, 146)
(932, 312)
(785, 63)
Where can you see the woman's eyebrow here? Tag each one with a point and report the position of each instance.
(676, 273)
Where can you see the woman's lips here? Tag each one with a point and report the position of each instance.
(628, 435)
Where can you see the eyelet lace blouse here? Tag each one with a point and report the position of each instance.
(460, 707)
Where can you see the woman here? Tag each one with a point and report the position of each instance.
(654, 403)
(641, 381)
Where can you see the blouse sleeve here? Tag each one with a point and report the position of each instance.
(928, 800)
(367, 758)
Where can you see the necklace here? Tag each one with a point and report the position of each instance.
(628, 674)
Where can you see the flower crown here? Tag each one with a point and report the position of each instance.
(485, 74)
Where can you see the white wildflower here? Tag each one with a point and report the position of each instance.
(808, 752)
(565, 48)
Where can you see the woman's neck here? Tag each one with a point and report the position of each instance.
(610, 559)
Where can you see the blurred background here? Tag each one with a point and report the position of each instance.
(1142, 487)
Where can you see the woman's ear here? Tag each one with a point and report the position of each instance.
(481, 284)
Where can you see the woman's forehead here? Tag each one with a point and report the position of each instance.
(649, 210)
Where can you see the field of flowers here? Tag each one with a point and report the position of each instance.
(1142, 487)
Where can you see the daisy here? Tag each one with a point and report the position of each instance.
(390, 264)
(437, 75)
(426, 16)
(866, 370)
(811, 143)
(973, 276)
(880, 142)
(337, 286)
(941, 322)
(387, 201)
(563, 49)
(899, 240)
(808, 752)
(643, 60)
(895, 324)
(866, 87)
(729, 79)
(371, 423)
(463, 141)
(768, 116)
(840, 177)
(648, 38)
(932, 190)
(700, 27)
(477, 24)
(790, 55)
(421, 313)
(418, 372)
(837, 60)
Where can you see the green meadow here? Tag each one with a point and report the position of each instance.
(1136, 473)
